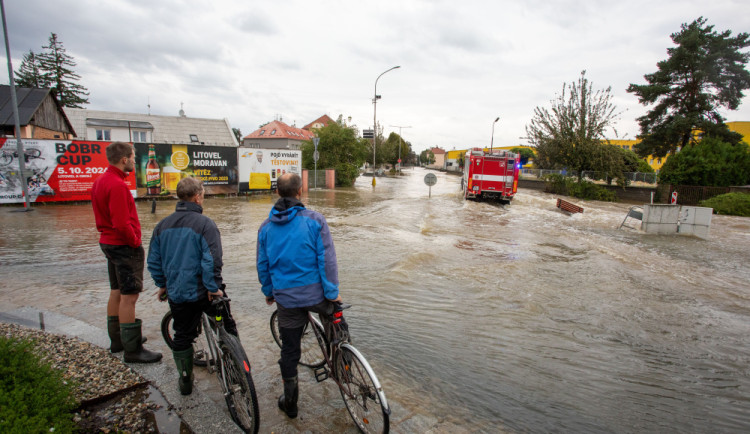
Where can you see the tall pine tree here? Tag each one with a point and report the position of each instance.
(56, 66)
(29, 73)
(704, 73)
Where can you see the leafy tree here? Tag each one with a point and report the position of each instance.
(570, 134)
(712, 163)
(339, 148)
(237, 134)
(525, 154)
(390, 149)
(30, 74)
(426, 157)
(56, 66)
(704, 72)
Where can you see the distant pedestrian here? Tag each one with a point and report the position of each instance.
(296, 264)
(185, 261)
(120, 240)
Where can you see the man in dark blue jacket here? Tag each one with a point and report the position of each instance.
(297, 268)
(184, 259)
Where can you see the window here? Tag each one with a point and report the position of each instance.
(262, 132)
(273, 132)
(103, 135)
(194, 138)
(140, 136)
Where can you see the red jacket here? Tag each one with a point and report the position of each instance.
(114, 210)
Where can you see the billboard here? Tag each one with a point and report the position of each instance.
(56, 170)
(259, 168)
(159, 167)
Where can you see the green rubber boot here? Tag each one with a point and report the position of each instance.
(132, 341)
(184, 361)
(113, 330)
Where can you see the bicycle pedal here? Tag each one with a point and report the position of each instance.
(321, 374)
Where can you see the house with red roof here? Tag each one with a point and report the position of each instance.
(319, 123)
(439, 154)
(277, 135)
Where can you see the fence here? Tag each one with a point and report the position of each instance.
(693, 195)
(647, 178)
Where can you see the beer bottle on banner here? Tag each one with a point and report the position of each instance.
(153, 173)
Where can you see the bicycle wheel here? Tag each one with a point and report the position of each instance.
(200, 355)
(361, 391)
(5, 158)
(241, 398)
(311, 355)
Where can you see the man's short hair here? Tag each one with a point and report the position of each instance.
(117, 150)
(189, 187)
(288, 185)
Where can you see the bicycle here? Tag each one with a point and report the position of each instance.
(223, 354)
(337, 359)
(6, 157)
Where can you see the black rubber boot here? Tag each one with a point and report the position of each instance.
(184, 361)
(288, 401)
(133, 344)
(113, 329)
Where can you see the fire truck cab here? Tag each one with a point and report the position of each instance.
(490, 175)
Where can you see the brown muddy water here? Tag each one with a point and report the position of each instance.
(475, 316)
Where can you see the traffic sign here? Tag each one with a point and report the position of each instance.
(316, 156)
(316, 140)
(368, 134)
(430, 179)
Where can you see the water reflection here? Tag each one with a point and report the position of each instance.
(475, 314)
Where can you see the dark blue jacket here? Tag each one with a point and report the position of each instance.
(185, 254)
(296, 260)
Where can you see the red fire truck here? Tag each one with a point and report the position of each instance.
(490, 175)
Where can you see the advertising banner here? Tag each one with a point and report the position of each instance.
(161, 166)
(259, 168)
(56, 170)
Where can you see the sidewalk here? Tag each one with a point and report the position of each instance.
(198, 410)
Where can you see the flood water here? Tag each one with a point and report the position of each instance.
(475, 316)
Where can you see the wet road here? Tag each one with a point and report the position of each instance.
(476, 317)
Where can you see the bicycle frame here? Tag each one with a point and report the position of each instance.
(339, 339)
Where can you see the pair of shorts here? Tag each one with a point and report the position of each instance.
(125, 266)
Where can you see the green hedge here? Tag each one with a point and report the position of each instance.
(33, 396)
(558, 184)
(730, 204)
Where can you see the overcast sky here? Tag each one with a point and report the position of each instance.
(463, 63)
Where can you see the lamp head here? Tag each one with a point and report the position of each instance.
(497, 119)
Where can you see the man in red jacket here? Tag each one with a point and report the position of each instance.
(120, 240)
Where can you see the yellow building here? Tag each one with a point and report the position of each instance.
(656, 162)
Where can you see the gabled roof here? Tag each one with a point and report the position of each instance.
(319, 123)
(437, 151)
(166, 129)
(29, 101)
(280, 130)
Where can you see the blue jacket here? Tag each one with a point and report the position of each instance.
(296, 260)
(185, 254)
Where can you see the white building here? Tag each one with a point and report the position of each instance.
(146, 128)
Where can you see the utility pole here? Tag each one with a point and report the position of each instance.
(375, 122)
(14, 101)
(399, 144)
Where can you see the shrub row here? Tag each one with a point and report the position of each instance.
(558, 184)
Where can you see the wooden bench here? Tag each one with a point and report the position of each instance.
(568, 207)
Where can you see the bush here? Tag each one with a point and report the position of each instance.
(558, 184)
(33, 396)
(709, 162)
(730, 204)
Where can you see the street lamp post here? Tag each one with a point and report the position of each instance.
(493, 133)
(375, 122)
(399, 144)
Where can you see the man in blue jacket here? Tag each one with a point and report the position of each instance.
(297, 268)
(184, 259)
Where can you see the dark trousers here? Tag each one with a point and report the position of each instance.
(187, 316)
(292, 323)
